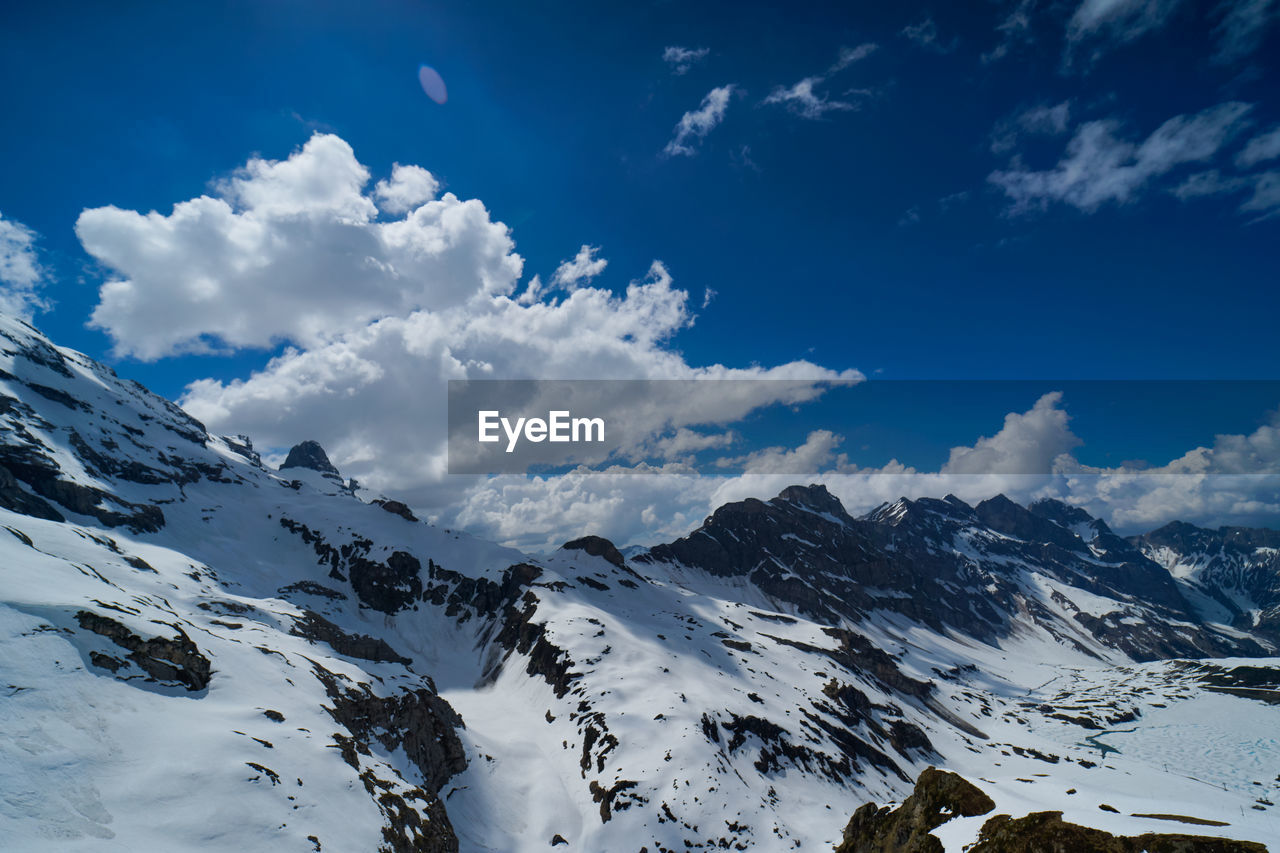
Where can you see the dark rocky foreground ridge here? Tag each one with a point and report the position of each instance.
(349, 677)
(940, 796)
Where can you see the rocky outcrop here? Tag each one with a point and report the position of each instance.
(397, 508)
(315, 627)
(1047, 832)
(171, 660)
(522, 635)
(939, 796)
(418, 721)
(597, 546)
(27, 463)
(310, 455)
(421, 724)
(14, 497)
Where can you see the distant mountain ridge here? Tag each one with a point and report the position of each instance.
(945, 563)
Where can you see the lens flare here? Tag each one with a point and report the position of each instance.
(432, 84)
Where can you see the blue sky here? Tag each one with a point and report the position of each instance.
(1013, 190)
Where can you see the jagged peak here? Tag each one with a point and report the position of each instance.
(814, 496)
(905, 509)
(596, 546)
(1187, 538)
(890, 513)
(1000, 500)
(309, 454)
(1060, 512)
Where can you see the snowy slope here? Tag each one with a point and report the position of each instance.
(205, 653)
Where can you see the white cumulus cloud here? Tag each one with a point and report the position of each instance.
(408, 187)
(382, 296)
(582, 268)
(290, 250)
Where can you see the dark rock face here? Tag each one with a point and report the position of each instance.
(28, 464)
(597, 546)
(397, 508)
(938, 797)
(814, 497)
(948, 565)
(312, 588)
(1005, 516)
(309, 454)
(176, 660)
(13, 497)
(802, 547)
(315, 627)
(398, 582)
(521, 634)
(1235, 564)
(390, 586)
(1047, 832)
(417, 720)
(425, 727)
(780, 750)
(1062, 513)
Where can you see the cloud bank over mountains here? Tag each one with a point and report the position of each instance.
(381, 296)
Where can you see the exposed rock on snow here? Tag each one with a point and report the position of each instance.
(310, 455)
(938, 797)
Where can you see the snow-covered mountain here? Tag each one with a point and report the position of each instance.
(201, 652)
(1231, 574)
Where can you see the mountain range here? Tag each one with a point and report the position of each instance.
(203, 652)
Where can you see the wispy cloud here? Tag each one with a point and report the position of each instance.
(804, 99)
(681, 59)
(21, 275)
(1265, 199)
(1243, 25)
(850, 55)
(1014, 29)
(1100, 166)
(1263, 147)
(1041, 119)
(742, 158)
(1104, 24)
(925, 34)
(696, 124)
(1263, 190)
